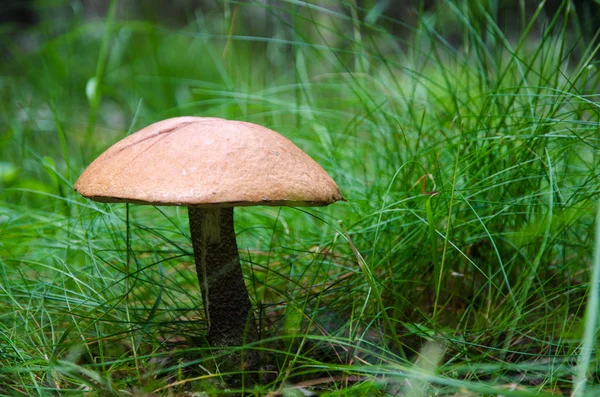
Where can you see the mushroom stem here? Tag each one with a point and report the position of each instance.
(226, 302)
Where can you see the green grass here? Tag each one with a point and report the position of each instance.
(461, 265)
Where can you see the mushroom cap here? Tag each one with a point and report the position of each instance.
(207, 162)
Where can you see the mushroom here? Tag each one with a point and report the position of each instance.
(211, 165)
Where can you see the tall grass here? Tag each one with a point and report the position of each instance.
(459, 266)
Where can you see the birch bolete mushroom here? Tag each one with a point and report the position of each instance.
(211, 165)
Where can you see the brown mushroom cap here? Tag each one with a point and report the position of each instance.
(195, 161)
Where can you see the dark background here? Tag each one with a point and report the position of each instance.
(395, 16)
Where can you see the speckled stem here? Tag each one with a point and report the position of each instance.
(226, 302)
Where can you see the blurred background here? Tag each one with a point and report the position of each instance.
(74, 48)
(264, 17)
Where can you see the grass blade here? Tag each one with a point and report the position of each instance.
(582, 370)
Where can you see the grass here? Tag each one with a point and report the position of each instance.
(462, 264)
